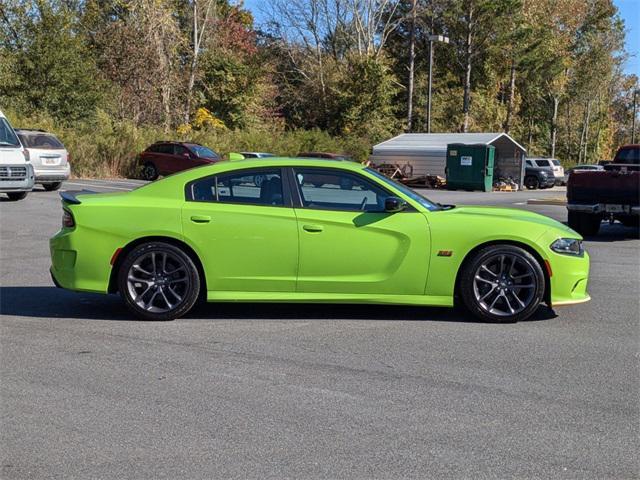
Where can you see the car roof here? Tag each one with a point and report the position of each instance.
(277, 162)
(175, 142)
(31, 131)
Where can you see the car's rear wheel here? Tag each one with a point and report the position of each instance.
(531, 182)
(158, 281)
(502, 283)
(50, 187)
(150, 171)
(14, 196)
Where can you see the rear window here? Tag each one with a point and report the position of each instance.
(556, 162)
(629, 156)
(45, 141)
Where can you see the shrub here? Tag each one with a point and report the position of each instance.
(104, 147)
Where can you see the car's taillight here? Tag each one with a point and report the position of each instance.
(67, 219)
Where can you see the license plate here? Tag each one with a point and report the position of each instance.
(51, 160)
(614, 208)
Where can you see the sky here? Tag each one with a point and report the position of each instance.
(629, 11)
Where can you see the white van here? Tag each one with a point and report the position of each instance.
(16, 173)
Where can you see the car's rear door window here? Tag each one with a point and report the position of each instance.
(332, 189)
(253, 187)
(165, 148)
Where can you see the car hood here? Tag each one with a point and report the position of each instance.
(11, 156)
(511, 214)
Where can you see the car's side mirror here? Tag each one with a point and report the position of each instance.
(394, 204)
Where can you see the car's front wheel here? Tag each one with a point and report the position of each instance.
(158, 281)
(502, 283)
(14, 196)
(531, 182)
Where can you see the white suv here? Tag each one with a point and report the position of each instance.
(48, 156)
(16, 172)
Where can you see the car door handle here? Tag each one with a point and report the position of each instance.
(313, 228)
(200, 218)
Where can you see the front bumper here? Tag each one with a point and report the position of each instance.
(16, 178)
(58, 174)
(569, 278)
(548, 182)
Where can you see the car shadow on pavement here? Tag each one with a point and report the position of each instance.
(613, 233)
(51, 303)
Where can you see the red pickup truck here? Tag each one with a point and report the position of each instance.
(610, 194)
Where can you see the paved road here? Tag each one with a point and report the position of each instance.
(307, 391)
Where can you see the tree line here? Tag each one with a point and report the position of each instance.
(548, 72)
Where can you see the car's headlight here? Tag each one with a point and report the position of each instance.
(568, 246)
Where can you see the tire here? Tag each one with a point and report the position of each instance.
(531, 182)
(484, 297)
(152, 294)
(632, 222)
(50, 187)
(150, 172)
(15, 196)
(586, 224)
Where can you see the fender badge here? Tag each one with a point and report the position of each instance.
(445, 253)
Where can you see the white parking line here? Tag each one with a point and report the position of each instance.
(97, 186)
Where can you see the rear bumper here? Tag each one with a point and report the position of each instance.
(604, 208)
(77, 269)
(13, 178)
(50, 174)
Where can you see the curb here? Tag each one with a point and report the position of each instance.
(548, 201)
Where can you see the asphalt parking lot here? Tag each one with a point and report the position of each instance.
(313, 391)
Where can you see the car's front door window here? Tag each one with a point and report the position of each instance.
(327, 189)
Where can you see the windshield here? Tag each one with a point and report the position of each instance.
(203, 152)
(426, 203)
(7, 136)
(43, 141)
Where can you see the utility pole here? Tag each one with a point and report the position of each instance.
(412, 57)
(633, 120)
(432, 38)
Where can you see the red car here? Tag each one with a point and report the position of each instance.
(164, 158)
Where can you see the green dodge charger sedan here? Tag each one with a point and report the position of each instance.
(299, 230)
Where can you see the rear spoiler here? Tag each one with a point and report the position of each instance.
(71, 196)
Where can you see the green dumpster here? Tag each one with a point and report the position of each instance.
(470, 167)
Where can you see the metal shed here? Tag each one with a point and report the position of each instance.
(427, 152)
